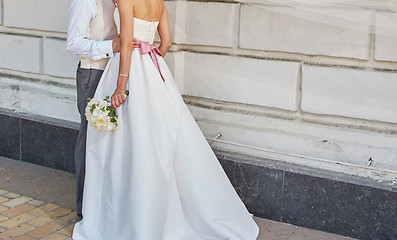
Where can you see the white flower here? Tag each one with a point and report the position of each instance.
(98, 115)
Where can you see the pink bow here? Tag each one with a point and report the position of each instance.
(153, 51)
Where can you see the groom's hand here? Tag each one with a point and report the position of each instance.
(117, 44)
(135, 42)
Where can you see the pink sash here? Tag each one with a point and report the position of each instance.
(153, 51)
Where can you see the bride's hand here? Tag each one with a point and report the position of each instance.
(118, 97)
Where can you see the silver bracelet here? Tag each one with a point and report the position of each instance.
(124, 75)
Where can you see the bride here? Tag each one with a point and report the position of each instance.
(155, 177)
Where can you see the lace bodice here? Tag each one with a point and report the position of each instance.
(143, 30)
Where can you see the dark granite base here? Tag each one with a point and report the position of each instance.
(259, 188)
(10, 137)
(318, 203)
(270, 191)
(48, 145)
(44, 141)
(344, 208)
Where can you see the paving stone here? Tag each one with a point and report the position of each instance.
(17, 210)
(63, 210)
(17, 220)
(3, 191)
(3, 218)
(274, 230)
(68, 231)
(43, 209)
(24, 237)
(55, 236)
(55, 215)
(3, 208)
(68, 219)
(40, 221)
(36, 203)
(16, 231)
(45, 230)
(309, 234)
(17, 201)
(3, 199)
(11, 195)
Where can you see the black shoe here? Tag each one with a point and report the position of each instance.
(80, 215)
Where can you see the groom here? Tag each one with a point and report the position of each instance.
(92, 34)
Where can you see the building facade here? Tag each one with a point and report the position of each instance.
(300, 113)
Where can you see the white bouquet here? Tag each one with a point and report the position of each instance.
(101, 114)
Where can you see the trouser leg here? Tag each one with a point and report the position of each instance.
(86, 82)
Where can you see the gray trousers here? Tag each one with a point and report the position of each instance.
(87, 82)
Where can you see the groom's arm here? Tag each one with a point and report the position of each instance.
(81, 13)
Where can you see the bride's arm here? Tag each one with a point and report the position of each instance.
(164, 32)
(126, 11)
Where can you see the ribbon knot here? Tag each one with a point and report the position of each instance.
(153, 51)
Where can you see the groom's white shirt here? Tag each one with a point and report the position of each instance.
(91, 31)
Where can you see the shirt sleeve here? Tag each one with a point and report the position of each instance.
(81, 13)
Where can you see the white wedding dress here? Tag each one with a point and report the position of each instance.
(155, 177)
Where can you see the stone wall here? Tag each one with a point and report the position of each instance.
(275, 86)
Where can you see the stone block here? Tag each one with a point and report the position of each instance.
(242, 80)
(176, 18)
(386, 37)
(20, 53)
(46, 104)
(172, 13)
(1, 12)
(270, 29)
(39, 98)
(207, 23)
(350, 93)
(57, 61)
(37, 14)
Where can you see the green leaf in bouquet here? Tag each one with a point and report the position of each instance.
(92, 107)
(113, 120)
(107, 99)
(89, 100)
(112, 111)
(127, 92)
(103, 109)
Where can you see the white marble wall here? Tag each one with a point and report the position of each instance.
(274, 85)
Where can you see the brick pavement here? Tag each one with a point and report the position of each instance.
(24, 218)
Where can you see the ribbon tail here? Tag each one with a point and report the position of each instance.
(156, 63)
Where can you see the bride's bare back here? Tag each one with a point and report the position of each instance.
(149, 10)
